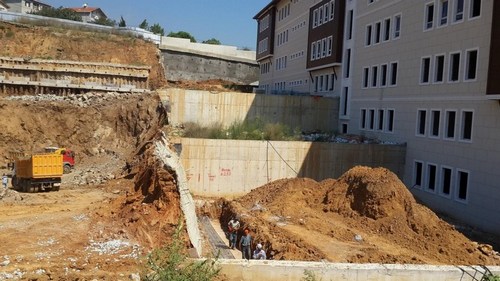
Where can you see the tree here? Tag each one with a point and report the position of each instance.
(182, 34)
(104, 21)
(122, 22)
(144, 24)
(60, 13)
(212, 41)
(157, 29)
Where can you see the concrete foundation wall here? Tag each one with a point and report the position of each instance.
(207, 108)
(294, 271)
(233, 168)
(181, 64)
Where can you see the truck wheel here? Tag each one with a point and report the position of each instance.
(67, 169)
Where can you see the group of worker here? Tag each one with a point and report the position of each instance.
(245, 244)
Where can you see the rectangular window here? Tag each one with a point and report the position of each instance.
(431, 177)
(397, 26)
(471, 65)
(463, 184)
(315, 18)
(466, 132)
(387, 29)
(372, 119)
(435, 121)
(425, 70)
(345, 101)
(383, 75)
(332, 83)
(439, 68)
(332, 9)
(443, 15)
(475, 8)
(378, 32)
(330, 45)
(454, 67)
(390, 120)
(380, 122)
(446, 180)
(368, 35)
(394, 73)
(320, 16)
(458, 10)
(429, 16)
(324, 49)
(326, 8)
(366, 77)
(451, 117)
(417, 173)
(350, 26)
(374, 76)
(348, 64)
(313, 50)
(363, 119)
(421, 122)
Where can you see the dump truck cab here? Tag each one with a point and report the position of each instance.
(68, 156)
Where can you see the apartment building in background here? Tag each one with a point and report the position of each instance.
(422, 73)
(25, 6)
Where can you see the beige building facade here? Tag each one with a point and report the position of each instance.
(425, 73)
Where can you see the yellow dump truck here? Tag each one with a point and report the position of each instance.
(38, 172)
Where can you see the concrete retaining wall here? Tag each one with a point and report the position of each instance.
(207, 108)
(171, 160)
(233, 168)
(294, 271)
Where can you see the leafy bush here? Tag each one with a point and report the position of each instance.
(170, 263)
(60, 13)
(491, 277)
(309, 276)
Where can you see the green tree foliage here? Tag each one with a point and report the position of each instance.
(144, 24)
(157, 29)
(60, 13)
(182, 34)
(212, 41)
(122, 22)
(170, 263)
(105, 21)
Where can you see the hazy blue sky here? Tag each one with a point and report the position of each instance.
(229, 21)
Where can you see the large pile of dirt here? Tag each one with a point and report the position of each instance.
(367, 215)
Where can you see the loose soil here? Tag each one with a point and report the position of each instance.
(103, 231)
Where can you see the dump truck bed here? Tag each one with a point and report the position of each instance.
(40, 166)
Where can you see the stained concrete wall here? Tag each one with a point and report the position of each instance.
(233, 168)
(294, 271)
(207, 108)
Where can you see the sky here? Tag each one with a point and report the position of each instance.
(229, 21)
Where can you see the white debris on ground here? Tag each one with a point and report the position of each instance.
(80, 217)
(82, 100)
(125, 248)
(49, 242)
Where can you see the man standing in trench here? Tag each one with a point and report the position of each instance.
(233, 226)
(245, 242)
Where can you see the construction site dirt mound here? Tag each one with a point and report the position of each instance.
(366, 215)
(54, 43)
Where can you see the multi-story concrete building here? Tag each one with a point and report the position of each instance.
(425, 73)
(25, 6)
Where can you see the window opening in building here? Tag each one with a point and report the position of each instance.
(446, 181)
(471, 67)
(431, 180)
(350, 26)
(450, 124)
(383, 74)
(439, 69)
(394, 73)
(429, 15)
(366, 72)
(459, 10)
(374, 76)
(397, 26)
(390, 120)
(417, 170)
(380, 120)
(444, 12)
(421, 121)
(368, 35)
(387, 29)
(378, 31)
(463, 184)
(348, 63)
(332, 9)
(426, 70)
(435, 121)
(475, 8)
(344, 128)
(345, 101)
(467, 125)
(454, 67)
(372, 119)
(363, 119)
